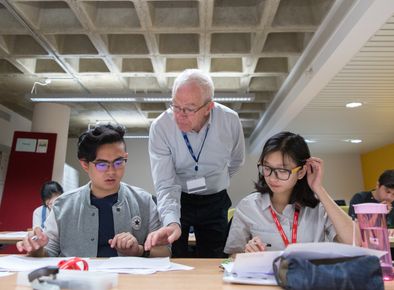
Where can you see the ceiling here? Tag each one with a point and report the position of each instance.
(301, 59)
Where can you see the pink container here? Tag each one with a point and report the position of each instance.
(373, 226)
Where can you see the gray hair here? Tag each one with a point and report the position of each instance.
(188, 76)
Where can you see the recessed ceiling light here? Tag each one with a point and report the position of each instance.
(310, 141)
(354, 105)
(354, 141)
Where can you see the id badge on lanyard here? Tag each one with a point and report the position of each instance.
(196, 185)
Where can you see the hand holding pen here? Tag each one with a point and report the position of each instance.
(34, 241)
(256, 245)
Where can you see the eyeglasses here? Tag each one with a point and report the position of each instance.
(280, 173)
(187, 111)
(103, 166)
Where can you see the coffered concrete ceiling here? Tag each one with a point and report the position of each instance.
(275, 49)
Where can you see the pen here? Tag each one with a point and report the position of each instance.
(267, 245)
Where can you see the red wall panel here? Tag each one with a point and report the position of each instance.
(26, 173)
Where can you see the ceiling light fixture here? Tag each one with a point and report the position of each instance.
(136, 136)
(310, 141)
(354, 141)
(83, 100)
(134, 98)
(354, 105)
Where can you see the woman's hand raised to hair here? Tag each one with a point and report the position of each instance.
(314, 171)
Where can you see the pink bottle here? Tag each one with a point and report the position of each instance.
(373, 226)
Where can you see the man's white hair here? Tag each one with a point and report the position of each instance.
(195, 76)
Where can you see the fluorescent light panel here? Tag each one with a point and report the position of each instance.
(138, 98)
(135, 136)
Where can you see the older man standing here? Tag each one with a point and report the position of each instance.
(195, 147)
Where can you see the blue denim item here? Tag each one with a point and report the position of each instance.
(352, 274)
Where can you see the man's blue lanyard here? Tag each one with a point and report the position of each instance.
(191, 149)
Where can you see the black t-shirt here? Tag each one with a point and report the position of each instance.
(106, 224)
(365, 197)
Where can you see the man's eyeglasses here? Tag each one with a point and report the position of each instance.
(187, 111)
(280, 173)
(103, 166)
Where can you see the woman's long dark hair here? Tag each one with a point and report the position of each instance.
(293, 146)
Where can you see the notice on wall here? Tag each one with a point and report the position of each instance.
(42, 146)
(26, 145)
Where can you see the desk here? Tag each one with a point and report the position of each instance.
(11, 237)
(206, 276)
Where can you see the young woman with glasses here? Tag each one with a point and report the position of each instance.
(290, 205)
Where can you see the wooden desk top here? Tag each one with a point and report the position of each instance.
(205, 276)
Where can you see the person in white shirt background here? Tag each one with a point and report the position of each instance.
(50, 190)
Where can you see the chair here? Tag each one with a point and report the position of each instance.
(230, 213)
(345, 208)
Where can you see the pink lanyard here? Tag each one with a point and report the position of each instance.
(280, 229)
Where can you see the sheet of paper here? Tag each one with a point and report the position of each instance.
(22, 263)
(247, 264)
(157, 264)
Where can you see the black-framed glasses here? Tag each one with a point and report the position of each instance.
(280, 173)
(187, 111)
(103, 165)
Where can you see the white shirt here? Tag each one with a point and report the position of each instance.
(172, 165)
(252, 217)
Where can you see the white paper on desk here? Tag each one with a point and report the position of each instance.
(248, 264)
(173, 267)
(179, 267)
(156, 264)
(22, 263)
(328, 250)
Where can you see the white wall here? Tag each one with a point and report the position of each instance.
(7, 128)
(342, 178)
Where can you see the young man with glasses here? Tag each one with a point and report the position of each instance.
(195, 147)
(104, 218)
(290, 205)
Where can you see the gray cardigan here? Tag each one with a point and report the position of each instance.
(72, 226)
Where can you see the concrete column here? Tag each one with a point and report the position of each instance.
(53, 118)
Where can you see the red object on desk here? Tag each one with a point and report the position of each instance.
(74, 264)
